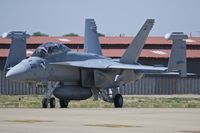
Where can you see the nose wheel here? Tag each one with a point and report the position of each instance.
(51, 102)
(44, 103)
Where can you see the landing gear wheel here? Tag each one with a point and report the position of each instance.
(64, 103)
(44, 103)
(52, 102)
(118, 101)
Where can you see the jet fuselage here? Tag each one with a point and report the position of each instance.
(40, 68)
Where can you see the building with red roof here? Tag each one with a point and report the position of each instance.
(155, 52)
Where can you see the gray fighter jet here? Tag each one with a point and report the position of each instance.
(79, 75)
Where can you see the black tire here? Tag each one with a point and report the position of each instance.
(118, 101)
(44, 103)
(52, 102)
(63, 103)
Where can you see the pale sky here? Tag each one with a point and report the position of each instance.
(113, 17)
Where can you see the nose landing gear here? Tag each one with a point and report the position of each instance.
(50, 101)
(44, 103)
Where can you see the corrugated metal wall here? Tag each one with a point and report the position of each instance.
(148, 85)
(16, 88)
(156, 85)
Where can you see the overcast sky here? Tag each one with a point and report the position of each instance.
(113, 17)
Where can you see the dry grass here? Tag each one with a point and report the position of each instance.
(129, 102)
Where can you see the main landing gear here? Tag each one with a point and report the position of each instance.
(118, 101)
(112, 95)
(48, 99)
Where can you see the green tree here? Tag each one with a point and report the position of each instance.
(71, 34)
(39, 34)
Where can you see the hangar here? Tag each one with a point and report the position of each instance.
(155, 52)
(156, 49)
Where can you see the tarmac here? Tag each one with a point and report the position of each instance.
(99, 120)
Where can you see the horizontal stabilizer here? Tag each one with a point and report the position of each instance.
(171, 73)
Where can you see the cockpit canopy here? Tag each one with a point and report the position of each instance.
(50, 48)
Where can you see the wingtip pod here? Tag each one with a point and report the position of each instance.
(132, 54)
(91, 40)
(176, 36)
(4, 35)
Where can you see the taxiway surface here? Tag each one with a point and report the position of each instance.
(99, 120)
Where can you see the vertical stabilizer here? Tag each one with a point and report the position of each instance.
(132, 54)
(177, 60)
(91, 40)
(17, 48)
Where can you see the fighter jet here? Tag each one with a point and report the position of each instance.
(75, 75)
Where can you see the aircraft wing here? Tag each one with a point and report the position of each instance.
(139, 68)
(92, 63)
(107, 64)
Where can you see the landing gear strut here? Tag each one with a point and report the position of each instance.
(48, 99)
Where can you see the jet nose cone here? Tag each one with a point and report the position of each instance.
(17, 72)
